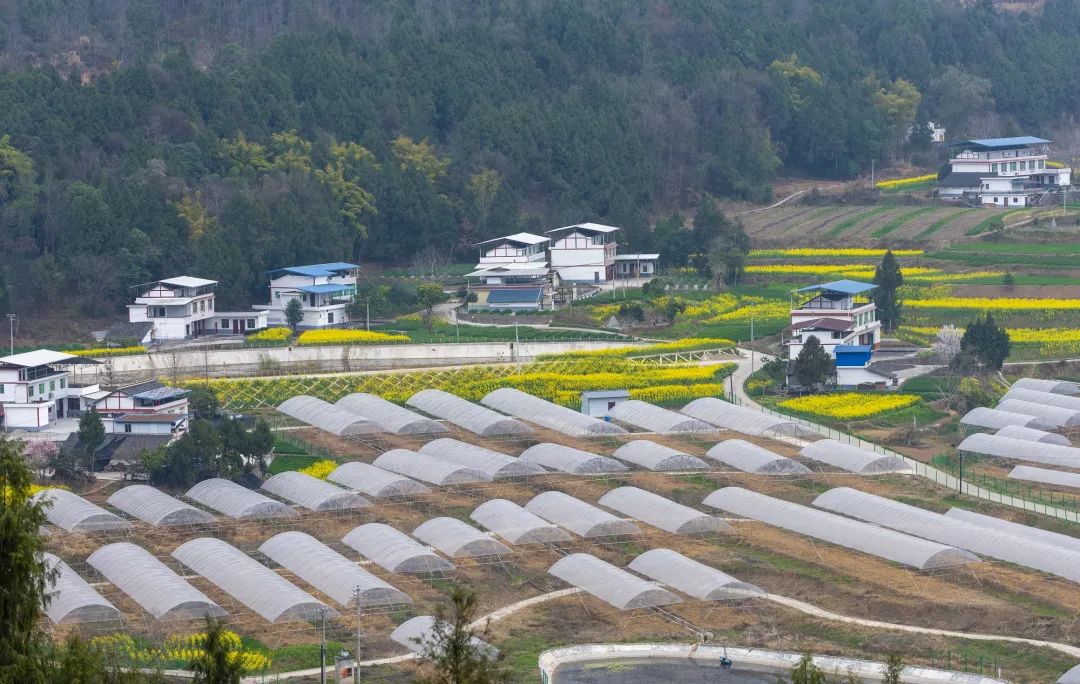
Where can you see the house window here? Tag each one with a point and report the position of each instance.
(1, 388)
(63, 383)
(29, 390)
(330, 317)
(1042, 164)
(993, 168)
(251, 324)
(1016, 200)
(52, 385)
(127, 428)
(1012, 166)
(41, 388)
(277, 295)
(224, 323)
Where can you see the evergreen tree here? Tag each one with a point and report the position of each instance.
(218, 662)
(453, 650)
(894, 667)
(806, 672)
(985, 343)
(294, 313)
(91, 435)
(888, 278)
(813, 365)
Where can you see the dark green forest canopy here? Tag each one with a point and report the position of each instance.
(226, 137)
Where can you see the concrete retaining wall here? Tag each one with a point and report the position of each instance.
(745, 659)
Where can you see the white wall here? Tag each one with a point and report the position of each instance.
(26, 416)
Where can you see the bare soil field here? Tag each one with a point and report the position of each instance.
(833, 226)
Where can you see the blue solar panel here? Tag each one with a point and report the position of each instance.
(529, 296)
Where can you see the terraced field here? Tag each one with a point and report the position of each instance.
(834, 225)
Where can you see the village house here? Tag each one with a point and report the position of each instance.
(323, 290)
(179, 308)
(512, 274)
(583, 253)
(1003, 172)
(36, 389)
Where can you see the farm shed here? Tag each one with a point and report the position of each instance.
(836, 529)
(691, 577)
(515, 524)
(151, 583)
(394, 550)
(612, 585)
(477, 419)
(328, 571)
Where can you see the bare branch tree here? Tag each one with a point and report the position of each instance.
(432, 263)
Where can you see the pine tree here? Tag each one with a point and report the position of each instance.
(294, 313)
(91, 435)
(454, 650)
(813, 365)
(888, 279)
(218, 662)
(986, 343)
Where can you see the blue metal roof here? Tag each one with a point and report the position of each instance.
(853, 349)
(316, 270)
(522, 296)
(1006, 142)
(325, 288)
(850, 287)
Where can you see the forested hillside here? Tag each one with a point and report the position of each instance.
(221, 138)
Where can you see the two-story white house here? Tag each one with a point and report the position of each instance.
(36, 389)
(323, 290)
(512, 274)
(583, 253)
(180, 308)
(843, 318)
(1002, 172)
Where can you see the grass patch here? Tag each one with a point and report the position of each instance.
(942, 222)
(984, 225)
(522, 652)
(285, 462)
(931, 387)
(913, 187)
(900, 220)
(848, 223)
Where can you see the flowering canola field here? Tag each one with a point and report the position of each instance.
(334, 336)
(849, 405)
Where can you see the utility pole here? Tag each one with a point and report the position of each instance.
(11, 332)
(871, 173)
(751, 345)
(359, 637)
(322, 648)
(367, 312)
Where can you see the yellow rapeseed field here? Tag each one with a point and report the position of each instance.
(109, 351)
(905, 182)
(994, 303)
(181, 648)
(278, 334)
(849, 405)
(320, 469)
(321, 337)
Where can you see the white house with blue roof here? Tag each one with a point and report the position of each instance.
(324, 292)
(841, 315)
(1002, 172)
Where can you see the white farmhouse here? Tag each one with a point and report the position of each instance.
(36, 388)
(1002, 172)
(512, 274)
(584, 253)
(180, 308)
(323, 290)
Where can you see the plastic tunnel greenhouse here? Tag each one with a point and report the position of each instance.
(657, 457)
(156, 507)
(477, 419)
(662, 513)
(326, 416)
(612, 585)
(237, 502)
(250, 582)
(646, 416)
(394, 550)
(745, 420)
(570, 460)
(1045, 476)
(495, 465)
(1063, 541)
(836, 529)
(73, 513)
(389, 416)
(583, 519)
(1048, 398)
(312, 493)
(751, 458)
(852, 458)
(1070, 677)
(328, 571)
(428, 468)
(559, 418)
(459, 540)
(992, 543)
(1033, 435)
(1052, 416)
(151, 583)
(517, 525)
(417, 633)
(995, 419)
(73, 600)
(1020, 450)
(1043, 385)
(691, 577)
(376, 482)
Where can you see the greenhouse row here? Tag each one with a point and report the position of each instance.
(1045, 476)
(1020, 450)
(852, 458)
(547, 414)
(751, 458)
(665, 514)
(745, 420)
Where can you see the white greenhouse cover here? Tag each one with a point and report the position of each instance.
(326, 416)
(393, 550)
(835, 529)
(72, 599)
(156, 507)
(494, 464)
(1020, 450)
(416, 633)
(653, 456)
(1044, 385)
(610, 584)
(515, 524)
(389, 416)
(579, 517)
(751, 458)
(745, 420)
(1070, 677)
(646, 416)
(1052, 416)
(237, 502)
(570, 460)
(1029, 553)
(1046, 476)
(329, 571)
(1033, 435)
(312, 493)
(250, 582)
(73, 513)
(376, 482)
(852, 458)
(691, 577)
(458, 540)
(151, 583)
(428, 468)
(657, 511)
(994, 419)
(1049, 398)
(559, 418)
(1063, 541)
(477, 419)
